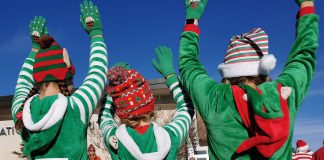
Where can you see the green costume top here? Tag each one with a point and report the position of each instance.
(215, 101)
(157, 142)
(58, 124)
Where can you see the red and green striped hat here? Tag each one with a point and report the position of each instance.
(247, 55)
(52, 62)
(130, 92)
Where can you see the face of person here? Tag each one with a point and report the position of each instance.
(91, 152)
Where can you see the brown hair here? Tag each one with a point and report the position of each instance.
(257, 80)
(134, 121)
(63, 87)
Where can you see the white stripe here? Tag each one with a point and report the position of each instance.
(173, 85)
(167, 126)
(97, 78)
(81, 108)
(98, 48)
(97, 63)
(20, 80)
(180, 99)
(176, 92)
(24, 91)
(28, 66)
(94, 43)
(257, 37)
(242, 58)
(245, 45)
(95, 85)
(101, 56)
(178, 129)
(30, 59)
(96, 70)
(86, 98)
(92, 94)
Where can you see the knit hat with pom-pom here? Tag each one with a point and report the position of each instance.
(130, 92)
(247, 55)
(52, 62)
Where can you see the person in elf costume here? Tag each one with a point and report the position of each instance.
(247, 116)
(130, 97)
(53, 122)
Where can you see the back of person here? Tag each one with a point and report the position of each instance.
(130, 97)
(319, 154)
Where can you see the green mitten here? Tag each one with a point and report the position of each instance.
(165, 61)
(36, 30)
(195, 8)
(90, 18)
(301, 1)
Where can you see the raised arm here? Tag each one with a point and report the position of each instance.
(184, 109)
(108, 124)
(299, 69)
(192, 73)
(85, 99)
(25, 82)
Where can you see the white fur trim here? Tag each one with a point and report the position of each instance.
(241, 69)
(285, 92)
(55, 113)
(162, 139)
(302, 149)
(268, 62)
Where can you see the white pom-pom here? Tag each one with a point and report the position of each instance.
(268, 62)
(220, 69)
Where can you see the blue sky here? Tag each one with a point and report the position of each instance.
(133, 29)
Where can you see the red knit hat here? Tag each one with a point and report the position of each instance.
(302, 146)
(52, 62)
(130, 92)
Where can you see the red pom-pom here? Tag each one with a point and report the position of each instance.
(117, 75)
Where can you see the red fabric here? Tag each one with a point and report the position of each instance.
(48, 63)
(133, 96)
(49, 53)
(319, 154)
(306, 10)
(58, 73)
(192, 28)
(302, 156)
(269, 134)
(142, 129)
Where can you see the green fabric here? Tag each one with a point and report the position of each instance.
(215, 102)
(89, 10)
(301, 1)
(195, 11)
(38, 140)
(58, 140)
(165, 61)
(38, 25)
(147, 144)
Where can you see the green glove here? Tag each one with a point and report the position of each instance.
(90, 18)
(301, 1)
(36, 30)
(195, 8)
(165, 61)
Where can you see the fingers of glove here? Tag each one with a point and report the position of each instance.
(83, 21)
(155, 64)
(45, 31)
(203, 2)
(91, 7)
(86, 6)
(96, 9)
(84, 13)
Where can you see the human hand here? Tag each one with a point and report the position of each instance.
(195, 8)
(165, 61)
(90, 18)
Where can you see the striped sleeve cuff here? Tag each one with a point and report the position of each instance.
(306, 10)
(192, 28)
